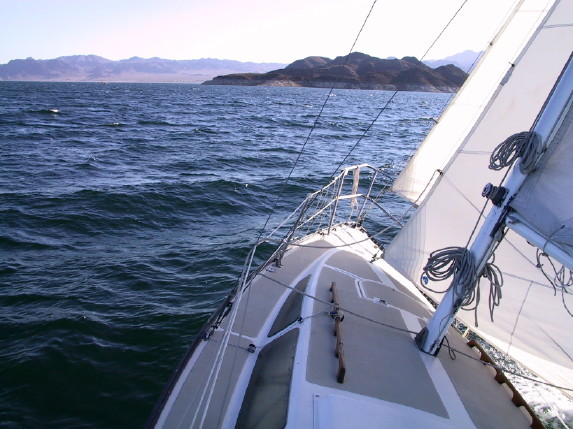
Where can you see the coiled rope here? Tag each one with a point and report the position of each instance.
(525, 145)
(452, 261)
(459, 263)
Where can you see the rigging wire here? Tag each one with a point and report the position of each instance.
(314, 125)
(324, 105)
(345, 310)
(447, 103)
(372, 123)
(383, 109)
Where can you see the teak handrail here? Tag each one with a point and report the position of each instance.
(339, 352)
(500, 377)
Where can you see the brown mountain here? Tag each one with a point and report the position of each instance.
(355, 71)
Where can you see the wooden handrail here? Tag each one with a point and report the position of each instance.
(500, 377)
(339, 351)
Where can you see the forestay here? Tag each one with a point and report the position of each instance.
(531, 325)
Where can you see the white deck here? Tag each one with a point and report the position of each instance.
(388, 383)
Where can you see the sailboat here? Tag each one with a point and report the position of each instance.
(334, 330)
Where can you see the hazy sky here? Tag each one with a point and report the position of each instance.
(245, 30)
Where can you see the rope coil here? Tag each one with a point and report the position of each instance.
(452, 261)
(525, 145)
(459, 262)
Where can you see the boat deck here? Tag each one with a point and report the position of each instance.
(280, 354)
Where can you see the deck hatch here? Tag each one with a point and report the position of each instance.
(290, 311)
(266, 400)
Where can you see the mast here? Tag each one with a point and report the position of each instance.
(551, 116)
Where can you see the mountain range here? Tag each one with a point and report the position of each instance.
(92, 68)
(464, 60)
(355, 71)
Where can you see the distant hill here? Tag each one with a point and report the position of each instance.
(91, 68)
(464, 60)
(357, 71)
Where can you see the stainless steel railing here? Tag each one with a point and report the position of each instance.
(345, 200)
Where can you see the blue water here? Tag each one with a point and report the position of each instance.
(126, 212)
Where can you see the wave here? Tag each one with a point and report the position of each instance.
(128, 223)
(50, 111)
(11, 243)
(157, 123)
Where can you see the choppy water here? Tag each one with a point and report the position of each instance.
(126, 213)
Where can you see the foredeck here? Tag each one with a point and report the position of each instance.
(280, 354)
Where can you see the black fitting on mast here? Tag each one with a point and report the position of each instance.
(494, 193)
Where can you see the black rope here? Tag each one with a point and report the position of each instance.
(451, 351)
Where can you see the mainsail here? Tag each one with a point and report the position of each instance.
(531, 325)
(544, 204)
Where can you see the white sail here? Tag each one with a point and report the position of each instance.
(441, 144)
(544, 203)
(531, 324)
